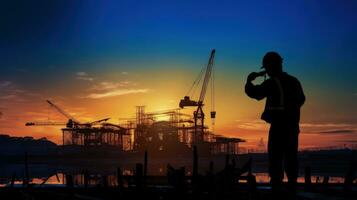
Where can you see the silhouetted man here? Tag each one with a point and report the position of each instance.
(284, 97)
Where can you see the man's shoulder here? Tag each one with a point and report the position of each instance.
(290, 77)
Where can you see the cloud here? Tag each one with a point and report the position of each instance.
(125, 73)
(117, 92)
(251, 125)
(8, 97)
(322, 125)
(111, 85)
(4, 84)
(106, 89)
(347, 141)
(329, 128)
(84, 76)
(10, 92)
(306, 128)
(342, 131)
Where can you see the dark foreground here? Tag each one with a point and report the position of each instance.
(231, 182)
(242, 191)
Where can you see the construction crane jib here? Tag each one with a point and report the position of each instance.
(72, 122)
(187, 102)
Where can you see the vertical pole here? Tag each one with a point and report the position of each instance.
(195, 162)
(121, 142)
(105, 181)
(13, 179)
(325, 180)
(233, 162)
(252, 184)
(119, 178)
(27, 176)
(139, 176)
(69, 180)
(145, 166)
(307, 176)
(86, 178)
(195, 132)
(227, 161)
(211, 181)
(211, 167)
(194, 179)
(350, 176)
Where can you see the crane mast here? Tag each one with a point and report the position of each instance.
(199, 115)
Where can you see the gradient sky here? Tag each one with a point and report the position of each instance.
(100, 59)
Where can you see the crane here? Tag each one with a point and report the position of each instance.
(69, 124)
(49, 123)
(199, 115)
(72, 122)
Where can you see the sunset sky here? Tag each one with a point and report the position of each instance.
(98, 59)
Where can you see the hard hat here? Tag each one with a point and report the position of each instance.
(272, 58)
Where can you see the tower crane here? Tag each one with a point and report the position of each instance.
(72, 122)
(199, 115)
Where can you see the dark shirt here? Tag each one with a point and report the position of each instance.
(284, 97)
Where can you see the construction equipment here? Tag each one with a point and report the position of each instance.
(72, 122)
(199, 114)
(95, 133)
(48, 123)
(68, 124)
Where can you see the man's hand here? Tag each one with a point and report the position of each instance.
(252, 76)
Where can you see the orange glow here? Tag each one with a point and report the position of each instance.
(237, 115)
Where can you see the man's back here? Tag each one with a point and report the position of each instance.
(293, 95)
(284, 98)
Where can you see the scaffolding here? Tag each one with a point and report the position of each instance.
(103, 135)
(225, 145)
(167, 131)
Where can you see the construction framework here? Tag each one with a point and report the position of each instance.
(175, 135)
(103, 135)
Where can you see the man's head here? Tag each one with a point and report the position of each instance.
(272, 63)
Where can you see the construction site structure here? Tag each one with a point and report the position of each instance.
(97, 133)
(176, 135)
(104, 135)
(169, 132)
(146, 132)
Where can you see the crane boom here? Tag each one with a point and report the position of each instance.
(186, 101)
(207, 77)
(68, 116)
(98, 121)
(46, 123)
(72, 122)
